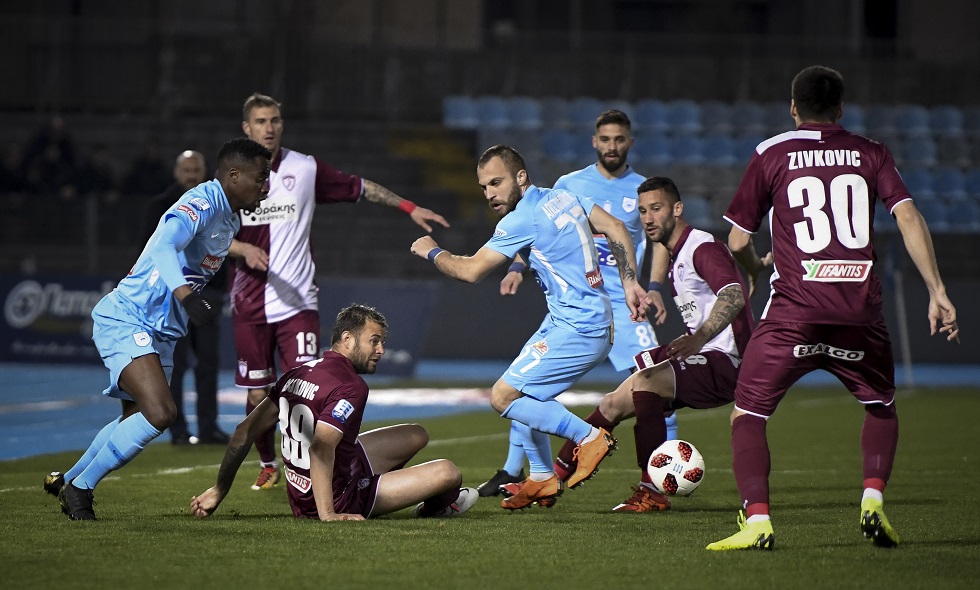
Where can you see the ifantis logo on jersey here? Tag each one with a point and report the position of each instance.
(836, 271)
(282, 209)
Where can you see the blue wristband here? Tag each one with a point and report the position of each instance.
(433, 253)
(654, 286)
(516, 267)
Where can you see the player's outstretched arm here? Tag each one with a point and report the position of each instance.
(376, 193)
(743, 249)
(621, 246)
(471, 269)
(262, 418)
(514, 277)
(918, 242)
(322, 454)
(255, 258)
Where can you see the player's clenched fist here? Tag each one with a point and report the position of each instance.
(423, 245)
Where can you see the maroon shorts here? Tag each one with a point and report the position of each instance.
(296, 338)
(701, 381)
(779, 354)
(358, 495)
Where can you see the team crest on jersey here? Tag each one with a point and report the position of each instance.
(342, 411)
(200, 204)
(836, 271)
(289, 181)
(189, 211)
(629, 204)
(242, 368)
(300, 482)
(363, 483)
(141, 338)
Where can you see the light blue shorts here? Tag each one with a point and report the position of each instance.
(630, 338)
(120, 338)
(555, 358)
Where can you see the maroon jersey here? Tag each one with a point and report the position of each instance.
(281, 227)
(325, 393)
(819, 184)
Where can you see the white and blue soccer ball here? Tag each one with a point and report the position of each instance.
(676, 468)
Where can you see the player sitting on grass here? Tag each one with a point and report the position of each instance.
(333, 472)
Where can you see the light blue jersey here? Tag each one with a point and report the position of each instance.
(550, 228)
(188, 246)
(617, 197)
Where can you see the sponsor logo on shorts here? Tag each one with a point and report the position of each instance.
(802, 350)
(595, 278)
(242, 368)
(260, 374)
(141, 338)
(289, 181)
(541, 346)
(836, 271)
(643, 360)
(300, 482)
(342, 411)
(200, 204)
(190, 212)
(212, 263)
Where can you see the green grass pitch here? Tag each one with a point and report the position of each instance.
(145, 537)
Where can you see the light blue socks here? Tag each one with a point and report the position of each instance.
(125, 442)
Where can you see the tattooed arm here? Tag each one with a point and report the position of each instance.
(622, 249)
(376, 193)
(730, 302)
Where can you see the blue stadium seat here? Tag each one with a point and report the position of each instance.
(525, 112)
(935, 213)
(554, 112)
(719, 150)
(582, 112)
(620, 105)
(912, 120)
(919, 183)
(683, 116)
(749, 118)
(919, 151)
(560, 145)
(697, 212)
(883, 219)
(650, 116)
(716, 117)
(491, 111)
(777, 118)
(687, 149)
(653, 152)
(964, 216)
(973, 183)
(971, 121)
(853, 119)
(879, 120)
(745, 145)
(954, 151)
(949, 183)
(459, 112)
(946, 120)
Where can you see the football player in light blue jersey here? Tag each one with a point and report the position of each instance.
(611, 183)
(138, 323)
(552, 229)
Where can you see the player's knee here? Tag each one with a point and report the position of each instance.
(255, 396)
(160, 415)
(449, 474)
(416, 437)
(502, 396)
(617, 407)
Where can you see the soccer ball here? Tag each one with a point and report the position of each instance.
(676, 468)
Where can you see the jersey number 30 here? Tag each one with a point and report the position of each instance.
(849, 207)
